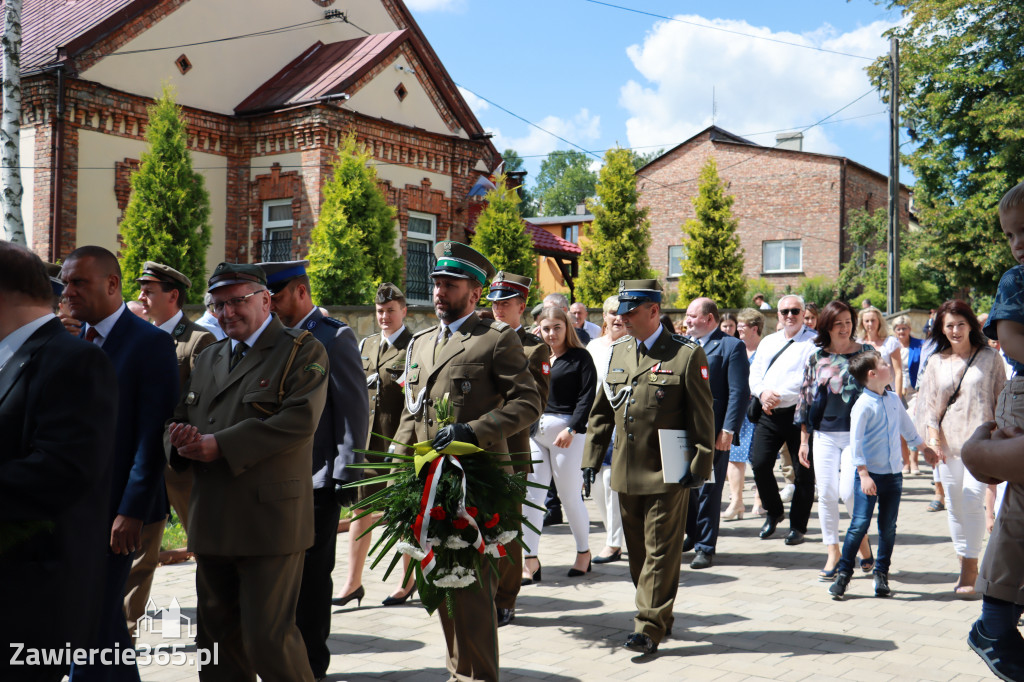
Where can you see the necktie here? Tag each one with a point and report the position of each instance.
(441, 342)
(641, 350)
(238, 354)
(91, 334)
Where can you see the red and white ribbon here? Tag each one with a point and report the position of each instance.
(422, 526)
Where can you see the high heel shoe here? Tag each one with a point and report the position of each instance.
(534, 577)
(356, 594)
(397, 601)
(576, 573)
(734, 515)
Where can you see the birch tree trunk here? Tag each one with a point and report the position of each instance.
(10, 125)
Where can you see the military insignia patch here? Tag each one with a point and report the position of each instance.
(179, 330)
(447, 248)
(466, 386)
(314, 367)
(704, 372)
(311, 325)
(545, 368)
(660, 394)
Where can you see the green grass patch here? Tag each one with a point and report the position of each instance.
(174, 534)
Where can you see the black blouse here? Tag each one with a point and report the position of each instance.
(571, 391)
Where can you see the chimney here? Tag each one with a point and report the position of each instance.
(794, 141)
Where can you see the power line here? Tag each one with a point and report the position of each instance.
(730, 31)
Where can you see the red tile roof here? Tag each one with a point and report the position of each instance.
(322, 70)
(546, 243)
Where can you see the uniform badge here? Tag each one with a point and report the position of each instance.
(447, 248)
(179, 330)
(314, 367)
(466, 386)
(264, 383)
(653, 377)
(311, 325)
(414, 365)
(545, 368)
(191, 398)
(704, 372)
(660, 394)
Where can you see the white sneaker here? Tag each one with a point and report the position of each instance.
(787, 493)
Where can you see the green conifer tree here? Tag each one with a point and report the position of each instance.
(168, 214)
(501, 235)
(714, 260)
(616, 243)
(352, 248)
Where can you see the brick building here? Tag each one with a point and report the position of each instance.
(266, 94)
(792, 206)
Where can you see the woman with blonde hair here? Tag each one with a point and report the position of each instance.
(557, 445)
(749, 326)
(612, 329)
(872, 330)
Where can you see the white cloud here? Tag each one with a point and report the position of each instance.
(758, 85)
(435, 5)
(476, 104)
(582, 128)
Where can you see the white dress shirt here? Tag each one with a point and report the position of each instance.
(11, 343)
(787, 373)
(170, 324)
(106, 325)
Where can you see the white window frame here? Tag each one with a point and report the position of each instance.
(785, 267)
(429, 239)
(681, 258)
(272, 226)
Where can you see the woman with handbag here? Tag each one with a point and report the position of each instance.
(749, 325)
(958, 393)
(824, 411)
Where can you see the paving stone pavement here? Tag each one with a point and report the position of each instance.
(758, 614)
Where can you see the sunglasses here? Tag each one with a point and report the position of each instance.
(785, 312)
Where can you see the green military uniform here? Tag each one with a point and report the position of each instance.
(665, 389)
(252, 508)
(483, 369)
(383, 368)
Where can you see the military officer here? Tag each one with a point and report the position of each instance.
(162, 292)
(245, 424)
(383, 358)
(481, 365)
(508, 296)
(341, 431)
(656, 382)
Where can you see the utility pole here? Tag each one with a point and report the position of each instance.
(892, 291)
(10, 125)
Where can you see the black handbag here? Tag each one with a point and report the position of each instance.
(754, 408)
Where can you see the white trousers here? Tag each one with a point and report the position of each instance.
(833, 474)
(562, 465)
(965, 505)
(607, 501)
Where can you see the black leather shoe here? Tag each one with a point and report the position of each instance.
(552, 517)
(641, 643)
(770, 524)
(702, 560)
(882, 585)
(506, 616)
(795, 537)
(838, 588)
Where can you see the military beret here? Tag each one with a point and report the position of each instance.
(461, 261)
(236, 273)
(635, 292)
(279, 273)
(158, 272)
(507, 285)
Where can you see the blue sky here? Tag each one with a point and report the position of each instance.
(601, 76)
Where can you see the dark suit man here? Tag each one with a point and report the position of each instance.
(162, 291)
(245, 423)
(341, 430)
(55, 426)
(656, 382)
(508, 296)
(728, 376)
(481, 365)
(147, 382)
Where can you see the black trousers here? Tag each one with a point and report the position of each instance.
(313, 612)
(771, 433)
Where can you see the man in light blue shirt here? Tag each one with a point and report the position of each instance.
(878, 420)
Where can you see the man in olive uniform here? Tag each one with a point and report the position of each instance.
(481, 365)
(508, 296)
(341, 431)
(162, 292)
(245, 424)
(657, 381)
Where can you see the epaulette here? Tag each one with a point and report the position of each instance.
(296, 333)
(622, 339)
(500, 326)
(332, 322)
(425, 331)
(685, 340)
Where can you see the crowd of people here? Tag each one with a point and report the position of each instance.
(253, 423)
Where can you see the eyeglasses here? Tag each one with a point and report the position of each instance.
(786, 312)
(217, 307)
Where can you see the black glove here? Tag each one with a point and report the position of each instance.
(451, 433)
(589, 476)
(346, 497)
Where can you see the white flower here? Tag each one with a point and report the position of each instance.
(454, 581)
(410, 550)
(433, 541)
(455, 542)
(492, 549)
(508, 536)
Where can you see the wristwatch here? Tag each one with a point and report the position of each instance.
(572, 431)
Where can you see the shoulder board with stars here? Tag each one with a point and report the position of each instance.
(685, 340)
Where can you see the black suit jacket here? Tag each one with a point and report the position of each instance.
(58, 403)
(147, 380)
(728, 374)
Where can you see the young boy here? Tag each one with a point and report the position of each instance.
(995, 636)
(877, 422)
